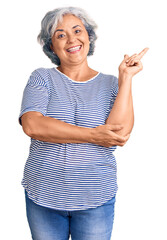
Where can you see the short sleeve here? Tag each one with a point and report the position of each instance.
(35, 95)
(114, 90)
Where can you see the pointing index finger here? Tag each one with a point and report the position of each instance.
(141, 54)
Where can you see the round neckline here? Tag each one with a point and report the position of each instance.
(74, 80)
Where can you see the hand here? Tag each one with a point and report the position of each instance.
(104, 135)
(132, 65)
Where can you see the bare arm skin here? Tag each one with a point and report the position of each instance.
(122, 111)
(49, 129)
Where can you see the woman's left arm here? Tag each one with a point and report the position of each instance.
(122, 111)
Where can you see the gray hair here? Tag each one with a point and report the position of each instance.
(49, 24)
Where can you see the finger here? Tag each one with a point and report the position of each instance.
(115, 127)
(141, 54)
(134, 55)
(118, 138)
(133, 62)
(126, 57)
(126, 137)
(123, 143)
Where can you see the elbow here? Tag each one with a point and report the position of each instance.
(129, 128)
(31, 124)
(28, 128)
(126, 129)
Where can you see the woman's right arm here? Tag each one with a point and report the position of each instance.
(49, 129)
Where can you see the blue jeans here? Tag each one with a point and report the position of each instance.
(90, 224)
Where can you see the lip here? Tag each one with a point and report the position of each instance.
(73, 47)
(74, 51)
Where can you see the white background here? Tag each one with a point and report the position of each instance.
(124, 27)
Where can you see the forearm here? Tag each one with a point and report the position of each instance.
(122, 111)
(53, 130)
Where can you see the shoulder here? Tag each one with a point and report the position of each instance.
(110, 78)
(40, 72)
(40, 76)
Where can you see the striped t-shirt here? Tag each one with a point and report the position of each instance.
(70, 176)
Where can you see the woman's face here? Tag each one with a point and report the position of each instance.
(71, 41)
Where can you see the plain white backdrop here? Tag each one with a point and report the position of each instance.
(124, 27)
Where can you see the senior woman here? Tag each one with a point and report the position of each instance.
(76, 117)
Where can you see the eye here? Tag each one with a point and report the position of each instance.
(77, 31)
(61, 36)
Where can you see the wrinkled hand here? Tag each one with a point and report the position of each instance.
(104, 135)
(132, 65)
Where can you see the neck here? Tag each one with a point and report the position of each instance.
(76, 72)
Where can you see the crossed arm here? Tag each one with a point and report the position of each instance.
(53, 130)
(49, 129)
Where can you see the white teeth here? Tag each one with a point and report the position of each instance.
(74, 49)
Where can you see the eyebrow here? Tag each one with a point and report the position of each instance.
(63, 30)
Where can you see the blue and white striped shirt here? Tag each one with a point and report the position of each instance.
(70, 176)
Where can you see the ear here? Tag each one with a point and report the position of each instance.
(51, 46)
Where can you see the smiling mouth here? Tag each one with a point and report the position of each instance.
(74, 49)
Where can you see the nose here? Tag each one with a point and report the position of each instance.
(71, 38)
